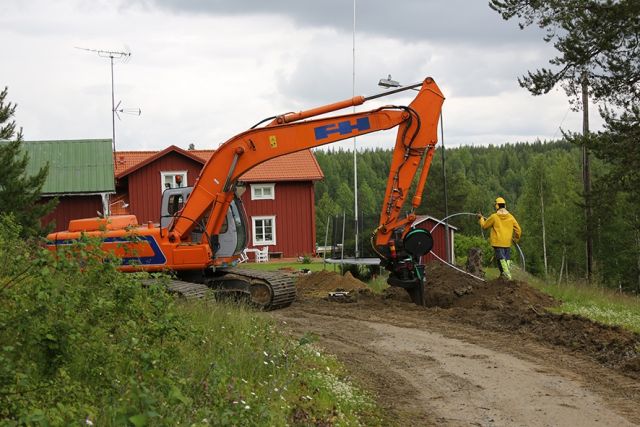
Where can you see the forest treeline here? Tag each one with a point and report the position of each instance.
(542, 183)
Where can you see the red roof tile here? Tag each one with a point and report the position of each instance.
(300, 166)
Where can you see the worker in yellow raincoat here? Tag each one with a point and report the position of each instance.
(504, 230)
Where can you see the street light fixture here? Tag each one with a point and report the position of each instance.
(390, 83)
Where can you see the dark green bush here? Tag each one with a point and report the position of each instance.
(81, 343)
(360, 272)
(78, 338)
(463, 243)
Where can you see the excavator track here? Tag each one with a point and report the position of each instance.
(266, 290)
(269, 290)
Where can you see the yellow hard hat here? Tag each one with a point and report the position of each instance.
(500, 201)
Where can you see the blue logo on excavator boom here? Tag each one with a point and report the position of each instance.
(342, 128)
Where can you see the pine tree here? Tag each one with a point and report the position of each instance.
(595, 39)
(598, 55)
(19, 193)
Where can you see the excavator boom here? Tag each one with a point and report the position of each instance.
(416, 138)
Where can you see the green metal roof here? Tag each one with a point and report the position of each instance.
(76, 166)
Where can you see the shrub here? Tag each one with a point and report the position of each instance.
(360, 272)
(77, 336)
(464, 243)
(81, 343)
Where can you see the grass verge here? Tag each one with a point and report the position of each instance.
(314, 265)
(246, 372)
(83, 344)
(596, 303)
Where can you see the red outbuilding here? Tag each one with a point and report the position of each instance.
(439, 233)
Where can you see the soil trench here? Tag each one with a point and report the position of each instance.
(485, 354)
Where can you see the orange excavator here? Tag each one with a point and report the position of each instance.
(203, 229)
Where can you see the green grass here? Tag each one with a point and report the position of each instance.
(83, 344)
(591, 301)
(315, 265)
(378, 283)
(255, 375)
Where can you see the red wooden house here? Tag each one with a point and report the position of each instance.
(279, 199)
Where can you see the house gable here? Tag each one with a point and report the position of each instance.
(128, 162)
(144, 184)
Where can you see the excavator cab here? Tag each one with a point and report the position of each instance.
(232, 238)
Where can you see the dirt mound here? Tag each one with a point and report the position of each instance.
(447, 288)
(610, 345)
(320, 283)
(498, 305)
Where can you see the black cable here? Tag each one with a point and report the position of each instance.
(262, 121)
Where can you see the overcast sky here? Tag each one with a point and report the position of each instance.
(202, 71)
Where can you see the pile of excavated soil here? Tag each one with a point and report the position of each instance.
(448, 288)
(498, 305)
(320, 283)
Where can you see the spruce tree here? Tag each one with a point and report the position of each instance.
(20, 194)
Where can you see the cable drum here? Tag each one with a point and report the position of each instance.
(418, 242)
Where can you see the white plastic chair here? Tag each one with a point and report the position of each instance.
(263, 255)
(243, 257)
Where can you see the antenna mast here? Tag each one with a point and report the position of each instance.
(124, 56)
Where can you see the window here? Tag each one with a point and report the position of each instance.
(264, 230)
(176, 203)
(263, 191)
(173, 179)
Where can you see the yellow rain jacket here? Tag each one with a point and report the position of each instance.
(504, 228)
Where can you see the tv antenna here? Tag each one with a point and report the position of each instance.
(115, 109)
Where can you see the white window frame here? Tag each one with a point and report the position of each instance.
(164, 174)
(257, 191)
(263, 242)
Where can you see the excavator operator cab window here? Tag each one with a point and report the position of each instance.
(176, 203)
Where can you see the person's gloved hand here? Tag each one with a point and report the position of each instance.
(479, 215)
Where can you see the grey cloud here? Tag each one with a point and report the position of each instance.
(471, 21)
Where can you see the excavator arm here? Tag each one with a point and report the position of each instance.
(415, 142)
